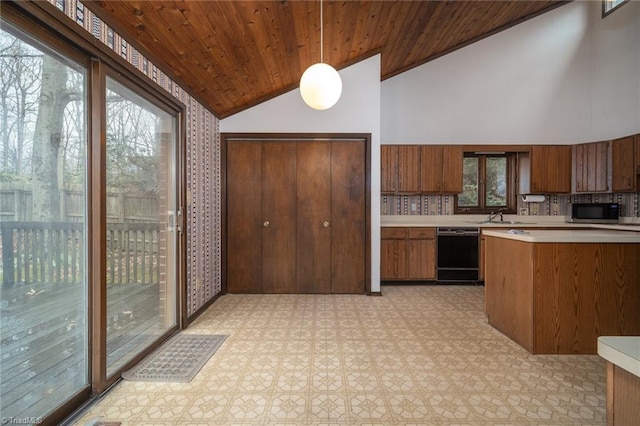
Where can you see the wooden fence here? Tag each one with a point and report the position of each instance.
(16, 204)
(41, 252)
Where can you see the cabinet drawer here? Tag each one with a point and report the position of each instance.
(393, 233)
(422, 233)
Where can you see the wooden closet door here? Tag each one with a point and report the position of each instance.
(313, 181)
(279, 217)
(348, 217)
(244, 217)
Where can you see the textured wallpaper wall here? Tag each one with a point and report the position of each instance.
(202, 163)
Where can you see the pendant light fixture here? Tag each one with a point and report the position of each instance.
(320, 84)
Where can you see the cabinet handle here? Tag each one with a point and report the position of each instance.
(266, 223)
(325, 224)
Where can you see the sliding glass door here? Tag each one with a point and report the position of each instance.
(141, 223)
(44, 333)
(89, 221)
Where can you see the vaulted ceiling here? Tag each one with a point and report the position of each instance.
(231, 55)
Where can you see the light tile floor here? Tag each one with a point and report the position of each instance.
(418, 355)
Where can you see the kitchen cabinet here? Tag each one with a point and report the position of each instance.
(409, 168)
(400, 168)
(389, 168)
(565, 308)
(622, 354)
(296, 216)
(408, 253)
(441, 169)
(623, 396)
(481, 258)
(421, 169)
(626, 164)
(421, 247)
(393, 256)
(591, 167)
(546, 169)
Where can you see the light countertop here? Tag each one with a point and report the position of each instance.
(566, 235)
(623, 351)
(510, 221)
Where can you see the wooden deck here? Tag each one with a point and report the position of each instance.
(44, 339)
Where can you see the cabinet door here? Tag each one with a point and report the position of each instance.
(452, 169)
(624, 176)
(348, 217)
(313, 184)
(244, 217)
(481, 259)
(393, 253)
(408, 168)
(279, 210)
(421, 250)
(591, 167)
(550, 169)
(389, 168)
(431, 168)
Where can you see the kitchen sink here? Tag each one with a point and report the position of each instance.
(506, 222)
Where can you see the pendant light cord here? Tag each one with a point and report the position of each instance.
(321, 36)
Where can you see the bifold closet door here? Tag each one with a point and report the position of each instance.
(278, 217)
(261, 214)
(296, 216)
(313, 182)
(348, 216)
(244, 216)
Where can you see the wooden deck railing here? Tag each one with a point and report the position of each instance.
(42, 252)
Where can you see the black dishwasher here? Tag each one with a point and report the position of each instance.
(457, 254)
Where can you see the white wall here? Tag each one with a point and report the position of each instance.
(357, 111)
(567, 76)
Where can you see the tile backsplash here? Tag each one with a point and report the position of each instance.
(553, 205)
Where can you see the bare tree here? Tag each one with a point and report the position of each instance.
(19, 86)
(54, 97)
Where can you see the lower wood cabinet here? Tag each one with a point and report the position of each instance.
(558, 298)
(408, 253)
(623, 396)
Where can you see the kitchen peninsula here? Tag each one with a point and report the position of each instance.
(557, 291)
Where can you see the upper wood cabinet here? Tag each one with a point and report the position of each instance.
(441, 168)
(591, 167)
(421, 168)
(400, 168)
(546, 169)
(408, 168)
(389, 168)
(626, 164)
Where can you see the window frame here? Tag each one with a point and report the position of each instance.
(49, 28)
(512, 180)
(609, 7)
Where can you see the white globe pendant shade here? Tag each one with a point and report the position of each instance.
(320, 86)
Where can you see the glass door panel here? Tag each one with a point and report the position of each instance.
(43, 233)
(141, 238)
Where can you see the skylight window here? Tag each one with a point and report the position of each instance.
(609, 6)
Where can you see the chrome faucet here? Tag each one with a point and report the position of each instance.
(493, 215)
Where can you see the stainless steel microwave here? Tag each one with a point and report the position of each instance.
(595, 213)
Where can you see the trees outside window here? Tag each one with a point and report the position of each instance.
(488, 184)
(43, 141)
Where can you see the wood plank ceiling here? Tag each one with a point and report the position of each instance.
(231, 55)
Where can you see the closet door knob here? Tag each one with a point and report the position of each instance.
(266, 224)
(325, 224)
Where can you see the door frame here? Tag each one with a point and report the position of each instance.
(227, 137)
